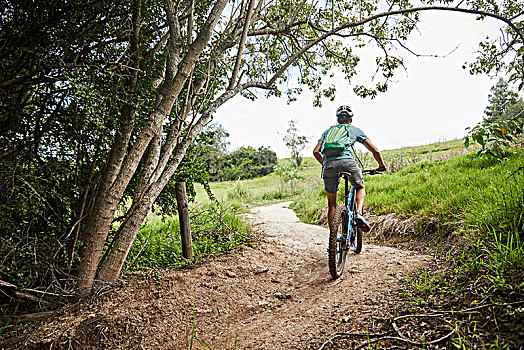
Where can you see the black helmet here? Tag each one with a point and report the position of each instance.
(344, 111)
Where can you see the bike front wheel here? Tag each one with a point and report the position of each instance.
(337, 241)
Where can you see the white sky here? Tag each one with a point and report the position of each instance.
(436, 99)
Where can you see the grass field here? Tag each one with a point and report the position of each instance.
(261, 189)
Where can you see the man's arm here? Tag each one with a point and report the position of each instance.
(376, 153)
(316, 152)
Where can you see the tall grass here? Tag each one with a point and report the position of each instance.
(482, 198)
(215, 228)
(238, 192)
(464, 188)
(311, 202)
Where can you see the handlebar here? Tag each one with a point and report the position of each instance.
(367, 171)
(372, 172)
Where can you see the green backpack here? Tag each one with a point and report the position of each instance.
(337, 140)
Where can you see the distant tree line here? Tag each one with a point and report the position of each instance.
(243, 163)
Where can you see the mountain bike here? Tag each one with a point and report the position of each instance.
(345, 233)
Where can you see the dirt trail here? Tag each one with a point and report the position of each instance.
(277, 295)
(318, 303)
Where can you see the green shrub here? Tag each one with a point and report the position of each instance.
(243, 163)
(289, 175)
(497, 139)
(215, 229)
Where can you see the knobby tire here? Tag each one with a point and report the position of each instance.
(337, 251)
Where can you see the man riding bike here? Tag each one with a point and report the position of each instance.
(345, 161)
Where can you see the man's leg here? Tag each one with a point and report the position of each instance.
(332, 204)
(361, 194)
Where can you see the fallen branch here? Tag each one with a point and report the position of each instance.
(48, 293)
(4, 284)
(14, 292)
(465, 311)
(37, 316)
(32, 298)
(362, 334)
(329, 341)
(340, 334)
(395, 327)
(405, 340)
(420, 315)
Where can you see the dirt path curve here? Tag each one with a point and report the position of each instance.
(275, 295)
(318, 303)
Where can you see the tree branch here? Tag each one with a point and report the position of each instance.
(242, 43)
(284, 67)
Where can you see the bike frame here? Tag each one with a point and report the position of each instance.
(350, 194)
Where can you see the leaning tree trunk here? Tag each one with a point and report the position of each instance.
(112, 266)
(102, 213)
(100, 219)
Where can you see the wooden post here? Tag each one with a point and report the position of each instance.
(183, 216)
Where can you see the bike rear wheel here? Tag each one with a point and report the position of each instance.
(337, 241)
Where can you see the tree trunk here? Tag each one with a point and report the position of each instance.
(183, 216)
(112, 266)
(110, 270)
(98, 224)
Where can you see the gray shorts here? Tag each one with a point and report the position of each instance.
(333, 167)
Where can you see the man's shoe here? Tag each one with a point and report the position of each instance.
(362, 223)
